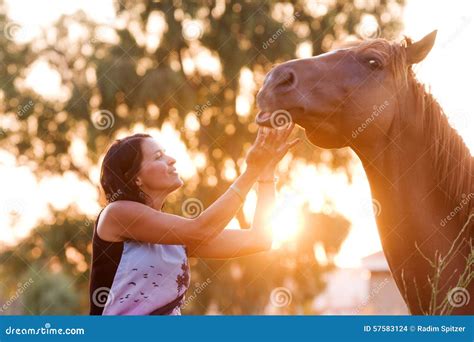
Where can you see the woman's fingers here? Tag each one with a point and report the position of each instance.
(260, 136)
(288, 130)
(294, 142)
(284, 133)
(275, 139)
(270, 137)
(284, 149)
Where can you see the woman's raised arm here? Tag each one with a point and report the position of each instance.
(128, 220)
(233, 243)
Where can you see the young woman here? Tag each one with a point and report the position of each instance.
(139, 253)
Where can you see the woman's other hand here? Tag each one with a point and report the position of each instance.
(269, 148)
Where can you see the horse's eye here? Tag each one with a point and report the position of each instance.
(374, 64)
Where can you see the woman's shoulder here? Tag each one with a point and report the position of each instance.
(121, 205)
(113, 217)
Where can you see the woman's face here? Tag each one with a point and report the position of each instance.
(157, 173)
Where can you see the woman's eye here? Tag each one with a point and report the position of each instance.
(374, 64)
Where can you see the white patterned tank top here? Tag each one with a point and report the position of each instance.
(135, 278)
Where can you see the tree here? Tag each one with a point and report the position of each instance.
(114, 78)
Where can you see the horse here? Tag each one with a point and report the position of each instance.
(366, 96)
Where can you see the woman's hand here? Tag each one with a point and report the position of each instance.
(269, 148)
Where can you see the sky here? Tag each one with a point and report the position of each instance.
(449, 63)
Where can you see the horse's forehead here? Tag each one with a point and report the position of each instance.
(359, 48)
(333, 52)
(330, 54)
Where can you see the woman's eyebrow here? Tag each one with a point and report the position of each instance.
(162, 150)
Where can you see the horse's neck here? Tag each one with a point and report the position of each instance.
(406, 174)
(416, 197)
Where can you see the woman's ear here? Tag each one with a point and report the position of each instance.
(417, 52)
(138, 181)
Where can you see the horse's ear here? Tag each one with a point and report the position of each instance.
(416, 52)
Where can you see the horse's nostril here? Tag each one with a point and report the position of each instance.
(286, 80)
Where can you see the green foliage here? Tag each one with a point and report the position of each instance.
(50, 294)
(56, 257)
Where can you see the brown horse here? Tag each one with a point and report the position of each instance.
(421, 173)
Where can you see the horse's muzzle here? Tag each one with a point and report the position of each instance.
(263, 119)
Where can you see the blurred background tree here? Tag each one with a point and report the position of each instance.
(192, 65)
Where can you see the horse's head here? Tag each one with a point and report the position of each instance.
(340, 94)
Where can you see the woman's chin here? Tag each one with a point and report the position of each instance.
(179, 183)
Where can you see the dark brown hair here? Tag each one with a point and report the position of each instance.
(120, 167)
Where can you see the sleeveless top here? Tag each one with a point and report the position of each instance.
(136, 278)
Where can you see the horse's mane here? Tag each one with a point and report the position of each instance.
(452, 160)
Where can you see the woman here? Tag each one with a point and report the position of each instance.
(139, 254)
